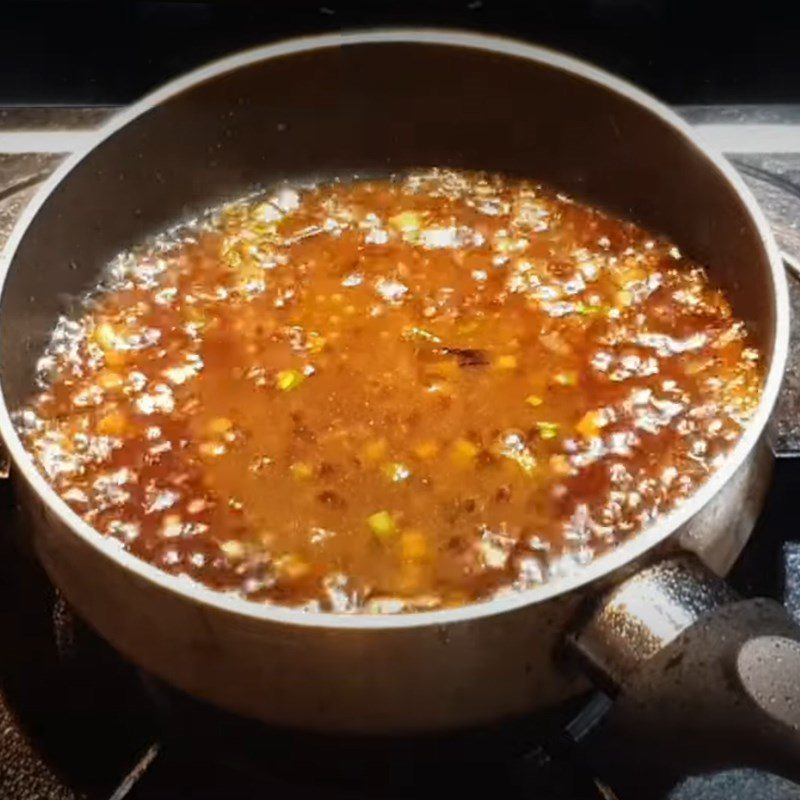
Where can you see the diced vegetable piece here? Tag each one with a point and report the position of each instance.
(697, 365)
(315, 343)
(197, 316)
(211, 449)
(505, 245)
(420, 335)
(382, 524)
(590, 424)
(233, 549)
(506, 363)
(463, 453)
(105, 335)
(375, 451)
(566, 378)
(555, 343)
(547, 430)
(301, 470)
(623, 298)
(560, 465)
(110, 380)
(115, 423)
(406, 221)
(410, 578)
(427, 450)
(526, 462)
(218, 426)
(494, 553)
(289, 379)
(628, 276)
(414, 546)
(115, 358)
(396, 472)
(292, 566)
(196, 506)
(533, 400)
(513, 446)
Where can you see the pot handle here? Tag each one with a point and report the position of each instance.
(703, 681)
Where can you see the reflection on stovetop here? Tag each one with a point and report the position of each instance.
(78, 721)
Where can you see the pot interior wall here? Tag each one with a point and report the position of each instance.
(372, 108)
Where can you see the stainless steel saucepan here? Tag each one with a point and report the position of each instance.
(702, 678)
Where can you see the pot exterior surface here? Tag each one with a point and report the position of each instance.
(369, 104)
(391, 680)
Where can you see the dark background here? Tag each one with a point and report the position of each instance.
(71, 51)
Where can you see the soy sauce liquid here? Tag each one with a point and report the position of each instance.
(392, 395)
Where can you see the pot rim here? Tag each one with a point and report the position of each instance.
(602, 565)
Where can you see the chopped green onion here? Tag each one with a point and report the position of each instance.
(547, 430)
(381, 523)
(526, 462)
(289, 379)
(420, 334)
(315, 343)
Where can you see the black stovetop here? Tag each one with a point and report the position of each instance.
(78, 721)
(99, 51)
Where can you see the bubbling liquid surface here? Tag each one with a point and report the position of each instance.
(395, 395)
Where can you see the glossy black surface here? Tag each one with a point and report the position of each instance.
(74, 51)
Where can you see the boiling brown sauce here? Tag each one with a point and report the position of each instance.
(391, 395)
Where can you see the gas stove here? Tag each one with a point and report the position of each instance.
(78, 721)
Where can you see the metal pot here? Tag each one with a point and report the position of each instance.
(376, 102)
